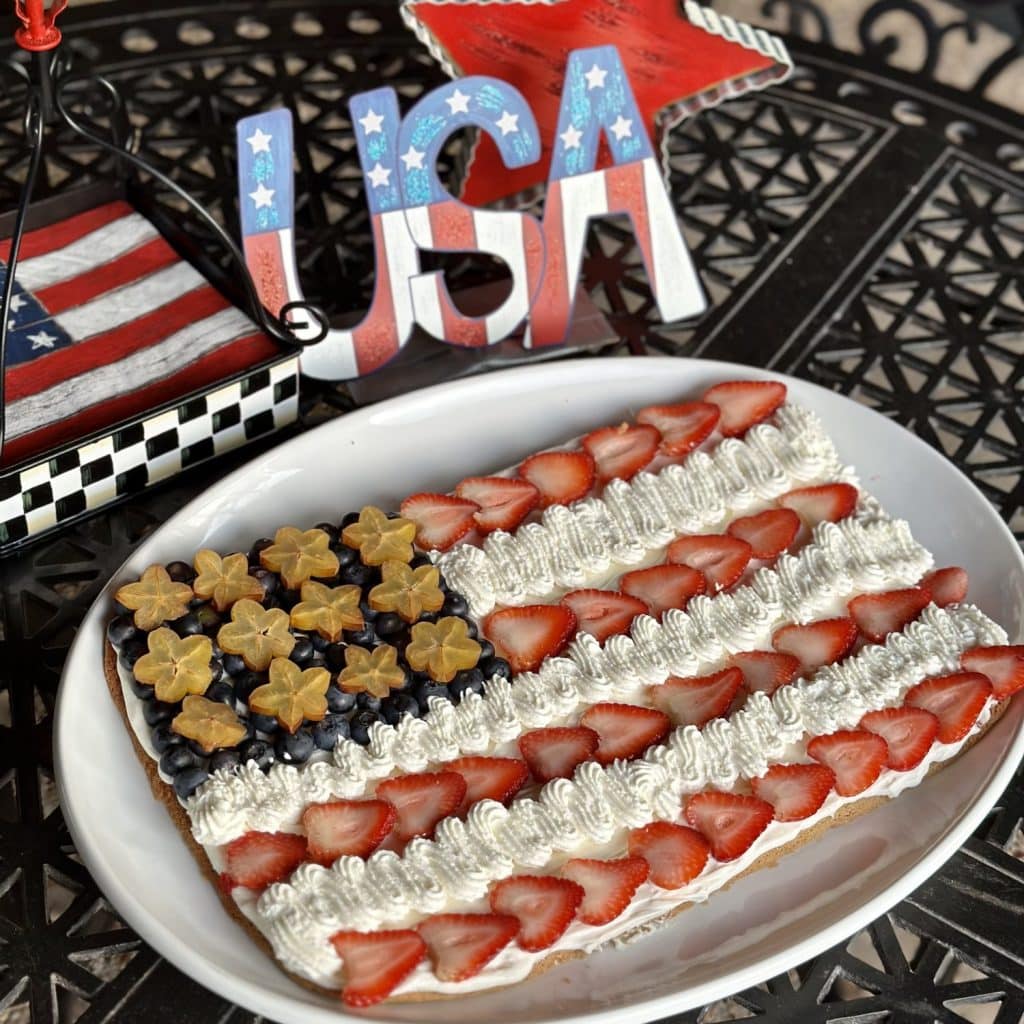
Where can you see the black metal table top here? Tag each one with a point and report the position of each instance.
(856, 227)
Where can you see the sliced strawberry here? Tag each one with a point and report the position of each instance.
(878, 615)
(855, 756)
(461, 945)
(554, 753)
(663, 586)
(719, 557)
(742, 403)
(346, 827)
(440, 519)
(257, 859)
(955, 700)
(795, 791)
(621, 452)
(908, 733)
(675, 854)
(1004, 667)
(560, 477)
(765, 671)
(825, 503)
(603, 613)
(697, 699)
(768, 533)
(947, 586)
(376, 962)
(683, 426)
(421, 801)
(489, 778)
(730, 822)
(624, 730)
(608, 885)
(525, 636)
(543, 905)
(816, 643)
(504, 502)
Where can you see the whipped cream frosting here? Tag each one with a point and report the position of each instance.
(843, 559)
(579, 815)
(575, 545)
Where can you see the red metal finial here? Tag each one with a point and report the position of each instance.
(38, 31)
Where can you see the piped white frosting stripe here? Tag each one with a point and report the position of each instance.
(466, 857)
(843, 559)
(573, 546)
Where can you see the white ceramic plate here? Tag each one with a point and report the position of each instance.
(764, 924)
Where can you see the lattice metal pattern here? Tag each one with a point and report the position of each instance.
(765, 186)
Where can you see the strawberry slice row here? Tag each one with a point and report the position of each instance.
(488, 503)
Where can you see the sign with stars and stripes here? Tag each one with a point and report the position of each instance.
(411, 211)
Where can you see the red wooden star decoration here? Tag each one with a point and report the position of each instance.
(677, 63)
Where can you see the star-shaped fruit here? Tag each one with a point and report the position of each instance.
(442, 648)
(155, 598)
(175, 666)
(409, 592)
(224, 580)
(677, 63)
(328, 610)
(292, 695)
(297, 555)
(211, 723)
(256, 634)
(380, 539)
(375, 672)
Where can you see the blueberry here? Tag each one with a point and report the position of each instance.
(455, 604)
(349, 518)
(224, 759)
(359, 725)
(264, 723)
(486, 650)
(233, 664)
(365, 637)
(424, 691)
(156, 712)
(246, 683)
(469, 681)
(187, 625)
(180, 572)
(418, 560)
(141, 690)
(495, 667)
(335, 657)
(295, 747)
(320, 643)
(358, 574)
(131, 651)
(209, 618)
(339, 700)
(287, 599)
(189, 781)
(346, 555)
(369, 614)
(217, 673)
(259, 751)
(397, 706)
(176, 759)
(328, 731)
(254, 551)
(163, 739)
(430, 617)
(388, 623)
(121, 629)
(267, 580)
(222, 692)
(471, 631)
(367, 701)
(302, 651)
(329, 528)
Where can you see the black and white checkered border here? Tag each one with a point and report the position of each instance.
(132, 457)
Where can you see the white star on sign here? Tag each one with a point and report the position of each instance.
(458, 103)
(259, 141)
(371, 122)
(595, 77)
(413, 159)
(263, 196)
(571, 137)
(622, 129)
(10, 325)
(17, 301)
(508, 122)
(42, 340)
(378, 175)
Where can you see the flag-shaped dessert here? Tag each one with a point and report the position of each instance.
(433, 749)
